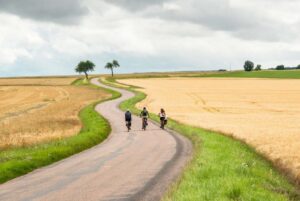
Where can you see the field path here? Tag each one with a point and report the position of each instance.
(139, 165)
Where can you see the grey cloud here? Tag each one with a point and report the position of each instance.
(58, 11)
(267, 31)
(217, 15)
(136, 5)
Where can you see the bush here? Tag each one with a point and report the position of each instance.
(280, 67)
(258, 67)
(248, 66)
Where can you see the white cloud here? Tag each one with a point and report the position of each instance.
(18, 39)
(171, 6)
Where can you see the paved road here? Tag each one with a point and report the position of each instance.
(139, 165)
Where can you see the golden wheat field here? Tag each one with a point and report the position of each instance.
(264, 113)
(36, 81)
(34, 114)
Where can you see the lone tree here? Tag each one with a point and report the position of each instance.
(112, 65)
(248, 66)
(258, 67)
(280, 67)
(84, 67)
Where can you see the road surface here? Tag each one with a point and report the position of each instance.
(137, 165)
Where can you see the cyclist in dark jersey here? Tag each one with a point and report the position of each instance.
(128, 119)
(144, 115)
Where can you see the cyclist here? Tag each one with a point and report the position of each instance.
(128, 119)
(163, 118)
(144, 115)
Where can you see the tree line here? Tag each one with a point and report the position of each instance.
(249, 66)
(88, 66)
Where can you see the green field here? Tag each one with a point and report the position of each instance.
(285, 74)
(280, 74)
(19, 161)
(222, 168)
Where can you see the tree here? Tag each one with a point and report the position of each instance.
(258, 67)
(298, 67)
(280, 67)
(84, 67)
(248, 66)
(115, 63)
(111, 66)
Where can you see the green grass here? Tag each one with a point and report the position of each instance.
(283, 74)
(222, 168)
(292, 74)
(19, 161)
(81, 82)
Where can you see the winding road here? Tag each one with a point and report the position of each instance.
(128, 166)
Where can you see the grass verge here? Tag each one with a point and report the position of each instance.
(19, 161)
(222, 168)
(282, 74)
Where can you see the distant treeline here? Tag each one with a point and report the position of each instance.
(249, 66)
(285, 68)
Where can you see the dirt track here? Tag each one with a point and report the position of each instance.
(139, 165)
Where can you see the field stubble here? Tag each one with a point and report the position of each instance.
(264, 113)
(34, 114)
(52, 81)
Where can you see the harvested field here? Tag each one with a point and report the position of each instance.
(34, 114)
(264, 113)
(36, 81)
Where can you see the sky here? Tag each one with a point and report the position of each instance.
(41, 37)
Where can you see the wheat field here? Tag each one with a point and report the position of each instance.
(264, 113)
(34, 114)
(52, 81)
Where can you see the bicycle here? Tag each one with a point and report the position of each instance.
(128, 125)
(144, 123)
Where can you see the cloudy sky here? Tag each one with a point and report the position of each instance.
(41, 37)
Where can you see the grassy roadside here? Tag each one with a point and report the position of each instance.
(19, 161)
(282, 74)
(222, 168)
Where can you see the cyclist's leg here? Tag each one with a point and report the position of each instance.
(144, 123)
